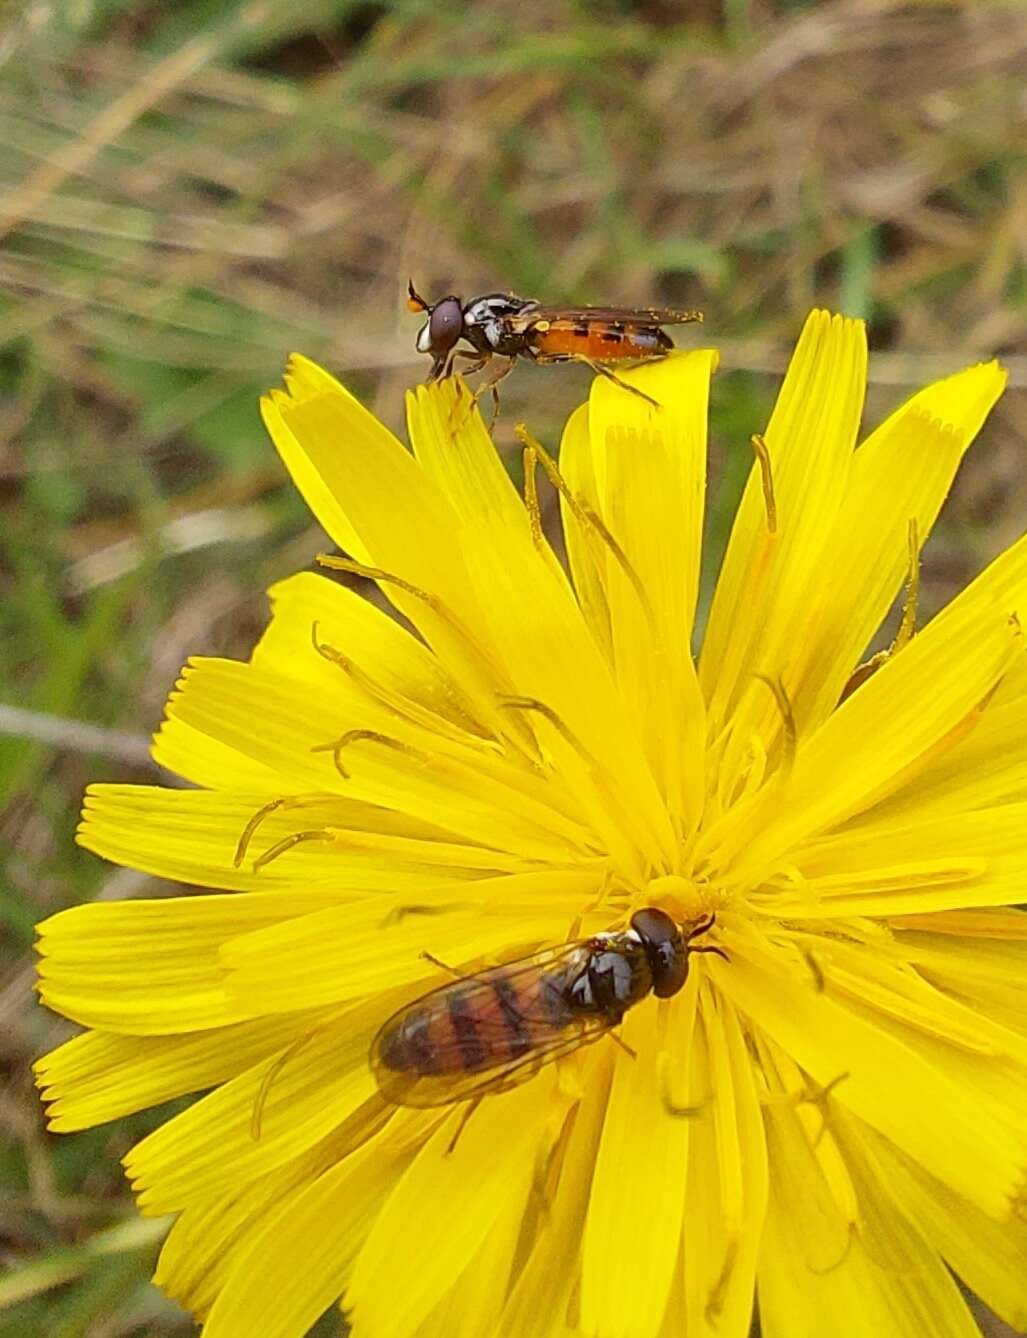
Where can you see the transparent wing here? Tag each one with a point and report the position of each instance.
(628, 315)
(511, 1020)
(444, 1089)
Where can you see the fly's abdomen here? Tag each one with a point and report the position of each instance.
(601, 341)
(489, 1022)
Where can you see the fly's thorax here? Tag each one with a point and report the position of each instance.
(614, 976)
(486, 323)
(496, 307)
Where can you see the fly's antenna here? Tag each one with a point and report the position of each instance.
(415, 302)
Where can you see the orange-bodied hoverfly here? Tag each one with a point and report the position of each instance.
(493, 1030)
(501, 324)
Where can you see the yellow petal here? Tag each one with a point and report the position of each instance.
(632, 1238)
(457, 455)
(444, 1208)
(97, 1077)
(539, 1301)
(896, 868)
(261, 715)
(878, 738)
(150, 968)
(193, 836)
(206, 1238)
(888, 1083)
(290, 1101)
(314, 403)
(987, 1255)
(900, 474)
(769, 578)
(384, 650)
(474, 1303)
(727, 1182)
(978, 956)
(659, 457)
(382, 508)
(297, 1265)
(886, 1283)
(579, 465)
(539, 637)
(1000, 589)
(964, 1045)
(358, 949)
(984, 767)
(651, 504)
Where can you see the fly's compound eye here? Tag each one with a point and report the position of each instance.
(444, 327)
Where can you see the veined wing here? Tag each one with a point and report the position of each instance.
(445, 1089)
(487, 1032)
(614, 315)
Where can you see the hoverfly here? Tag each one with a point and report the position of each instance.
(487, 1032)
(517, 327)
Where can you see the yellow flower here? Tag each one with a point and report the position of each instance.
(831, 1119)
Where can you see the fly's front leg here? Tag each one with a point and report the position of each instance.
(476, 361)
(490, 384)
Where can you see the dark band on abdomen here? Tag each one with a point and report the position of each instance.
(513, 1016)
(415, 1047)
(465, 1029)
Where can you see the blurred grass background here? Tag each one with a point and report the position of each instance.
(189, 192)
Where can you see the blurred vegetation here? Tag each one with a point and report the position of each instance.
(189, 192)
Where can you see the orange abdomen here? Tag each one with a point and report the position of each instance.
(486, 1022)
(602, 341)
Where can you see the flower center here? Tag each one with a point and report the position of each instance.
(682, 898)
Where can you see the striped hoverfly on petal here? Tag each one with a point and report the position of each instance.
(511, 327)
(490, 1031)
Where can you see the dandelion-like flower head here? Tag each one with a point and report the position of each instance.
(829, 1114)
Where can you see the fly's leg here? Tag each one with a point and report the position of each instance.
(429, 957)
(490, 385)
(576, 924)
(600, 370)
(704, 927)
(472, 1107)
(719, 952)
(628, 1050)
(476, 361)
(612, 376)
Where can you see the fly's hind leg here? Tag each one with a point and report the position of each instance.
(471, 1108)
(612, 376)
(600, 370)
